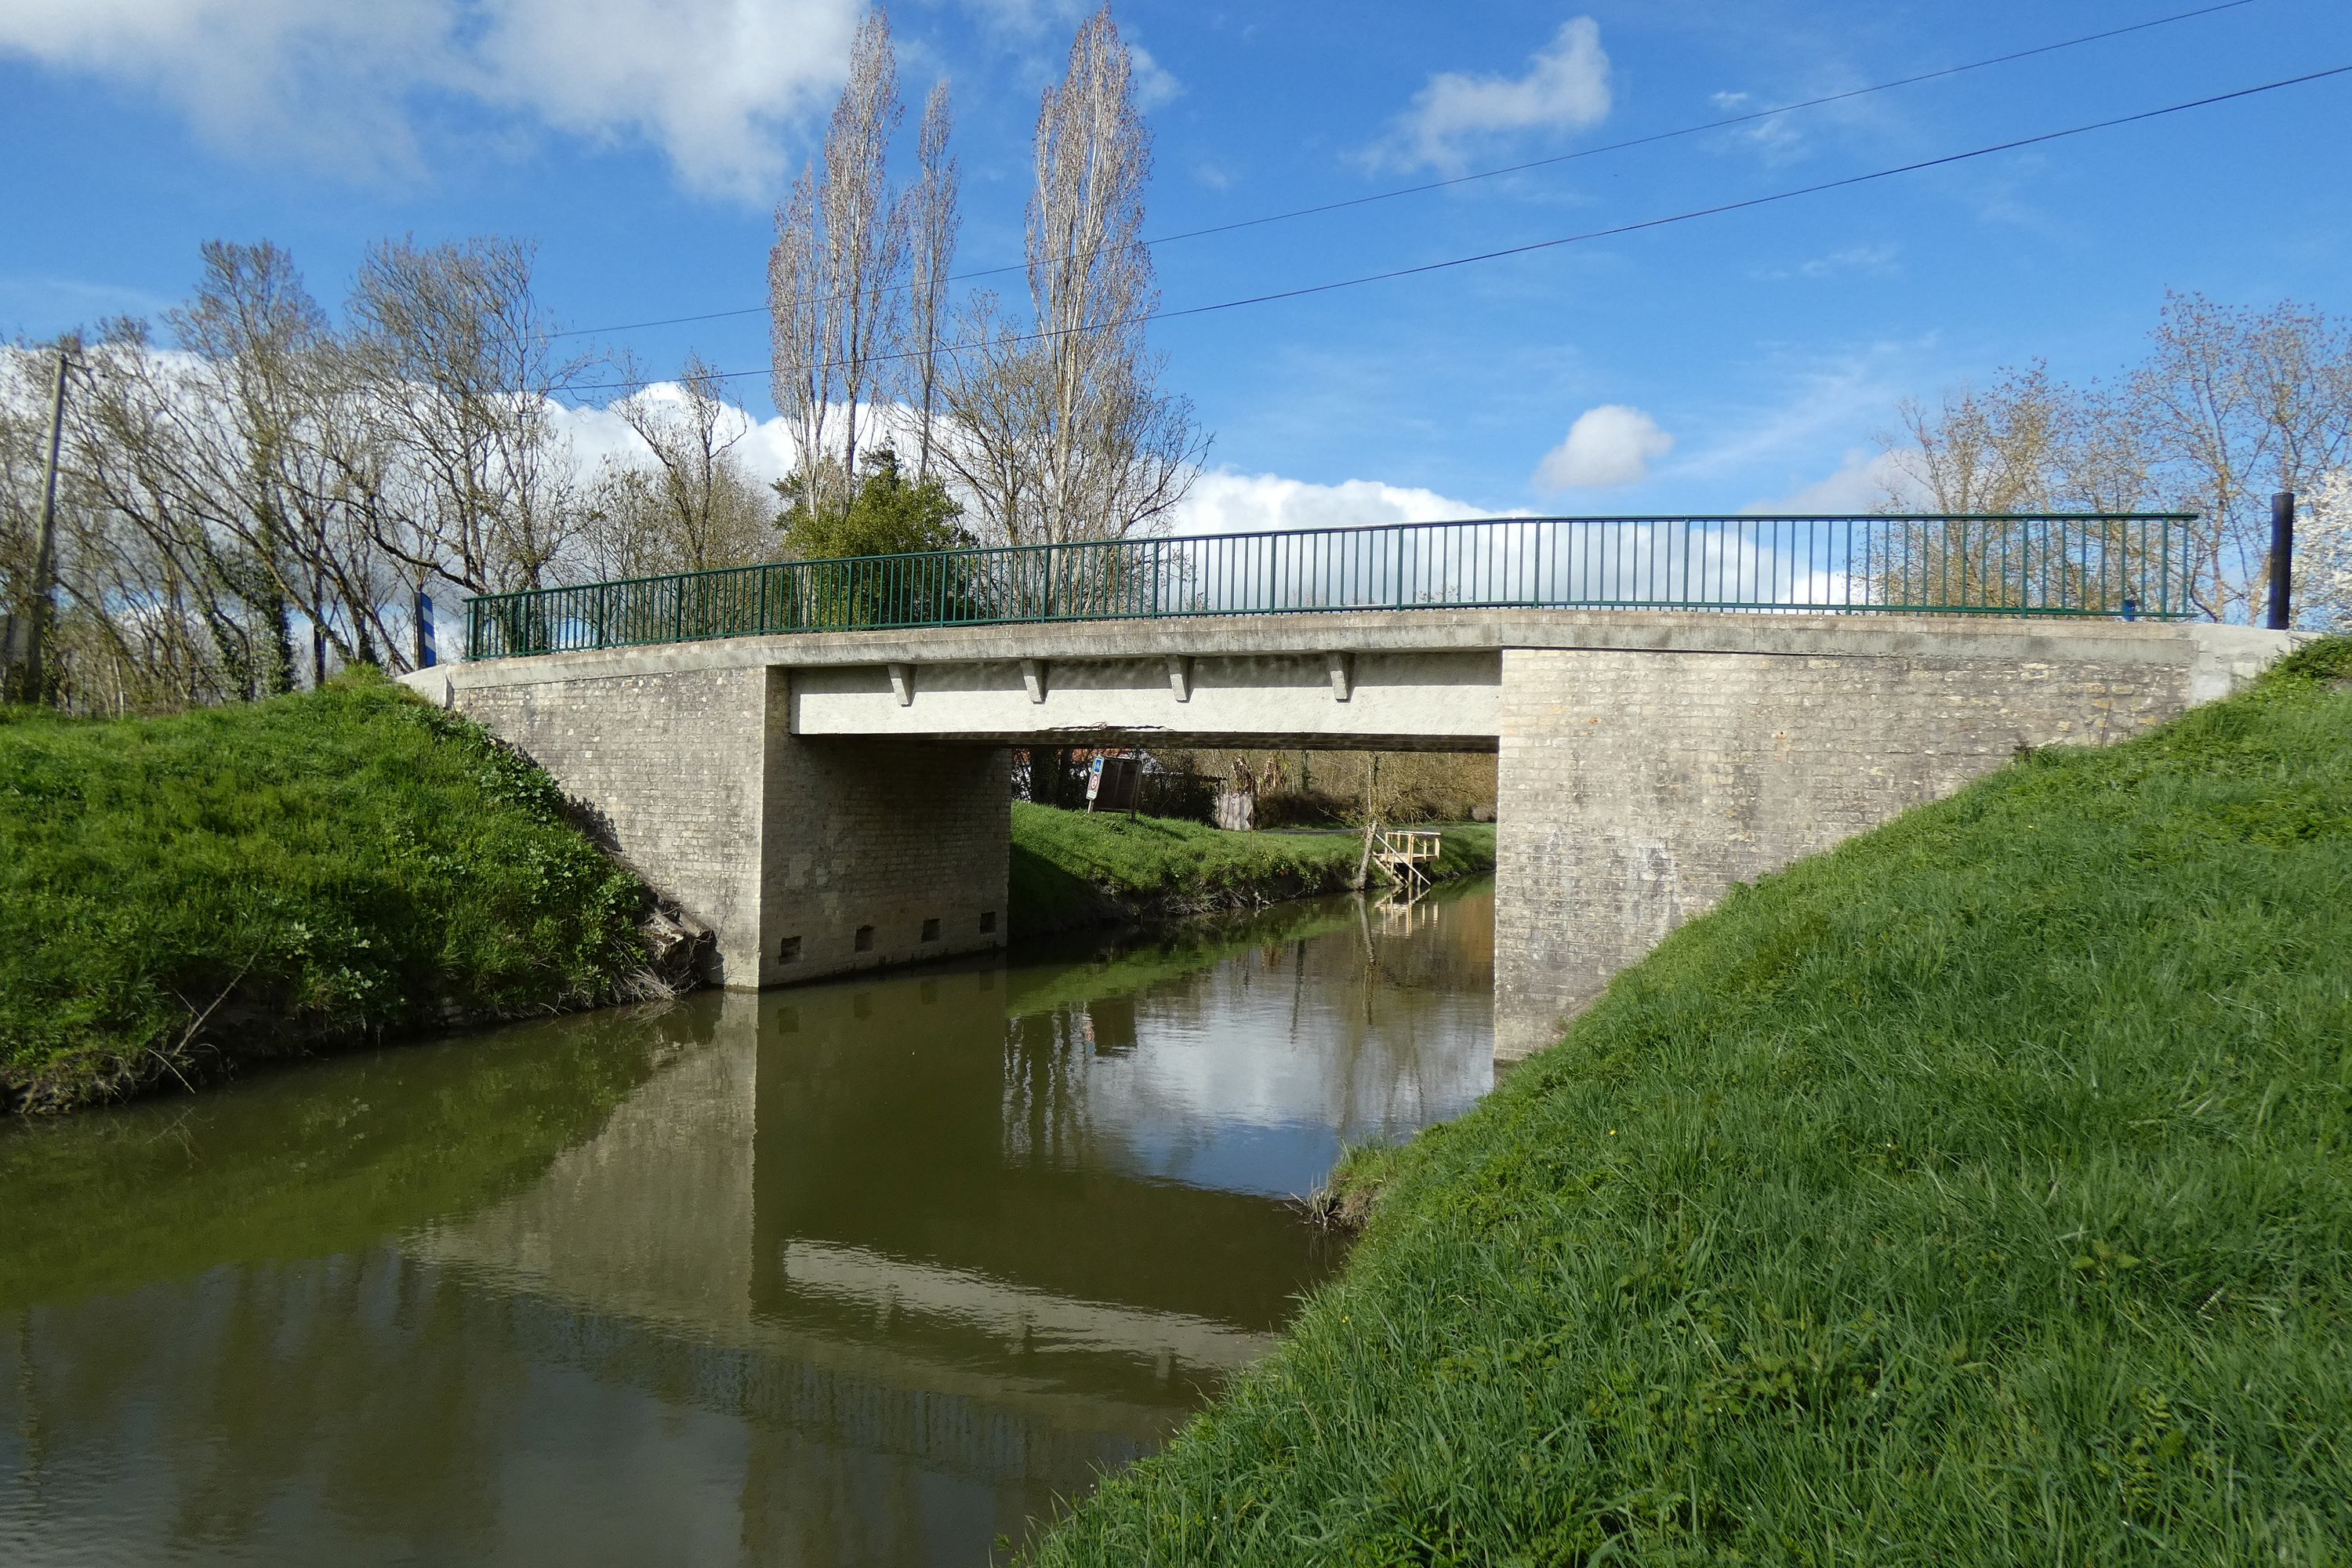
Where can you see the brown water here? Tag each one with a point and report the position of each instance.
(874, 1271)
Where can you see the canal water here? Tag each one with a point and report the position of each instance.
(878, 1271)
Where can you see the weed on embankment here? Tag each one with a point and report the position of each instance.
(1977, 1192)
(181, 894)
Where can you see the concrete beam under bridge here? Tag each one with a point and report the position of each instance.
(1428, 701)
(832, 801)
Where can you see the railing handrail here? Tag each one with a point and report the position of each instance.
(1130, 541)
(2135, 562)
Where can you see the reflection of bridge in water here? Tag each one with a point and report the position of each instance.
(871, 1272)
(903, 1235)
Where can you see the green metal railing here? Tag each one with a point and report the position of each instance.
(2077, 564)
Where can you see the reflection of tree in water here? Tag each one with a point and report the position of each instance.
(1375, 1034)
(1045, 1089)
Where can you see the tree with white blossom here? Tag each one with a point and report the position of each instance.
(2323, 554)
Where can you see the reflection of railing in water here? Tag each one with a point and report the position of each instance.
(2018, 565)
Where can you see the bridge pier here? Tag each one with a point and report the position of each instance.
(807, 856)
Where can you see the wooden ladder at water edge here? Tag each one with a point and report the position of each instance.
(1410, 859)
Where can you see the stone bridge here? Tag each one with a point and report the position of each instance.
(832, 800)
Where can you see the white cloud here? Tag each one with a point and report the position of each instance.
(1817, 401)
(1154, 85)
(1873, 259)
(1024, 16)
(1863, 482)
(1611, 444)
(1227, 502)
(712, 83)
(1853, 258)
(1566, 87)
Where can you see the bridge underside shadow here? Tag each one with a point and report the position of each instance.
(831, 802)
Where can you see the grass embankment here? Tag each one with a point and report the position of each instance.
(1074, 868)
(180, 894)
(1977, 1193)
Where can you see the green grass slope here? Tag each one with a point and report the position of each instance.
(179, 893)
(1979, 1193)
(1075, 867)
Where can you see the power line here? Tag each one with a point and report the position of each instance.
(1654, 137)
(1741, 205)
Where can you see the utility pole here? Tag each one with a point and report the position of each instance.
(2281, 561)
(31, 676)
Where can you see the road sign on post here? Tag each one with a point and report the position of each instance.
(1113, 782)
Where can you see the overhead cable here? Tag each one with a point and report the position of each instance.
(1719, 124)
(1532, 246)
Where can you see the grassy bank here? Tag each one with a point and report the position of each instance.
(1072, 869)
(1977, 1193)
(180, 894)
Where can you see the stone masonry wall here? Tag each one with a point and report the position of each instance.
(766, 837)
(897, 838)
(673, 764)
(1636, 787)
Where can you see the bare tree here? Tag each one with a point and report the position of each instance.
(1986, 451)
(2230, 405)
(462, 367)
(1061, 433)
(692, 507)
(802, 348)
(865, 230)
(23, 465)
(267, 365)
(254, 472)
(838, 275)
(930, 226)
(155, 449)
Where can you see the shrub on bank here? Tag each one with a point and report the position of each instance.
(177, 894)
(1980, 1192)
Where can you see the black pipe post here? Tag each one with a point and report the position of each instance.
(2281, 559)
(421, 628)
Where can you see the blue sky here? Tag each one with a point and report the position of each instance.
(1738, 361)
